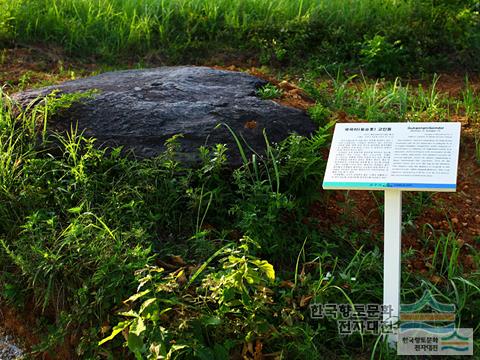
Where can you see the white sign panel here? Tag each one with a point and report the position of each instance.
(403, 156)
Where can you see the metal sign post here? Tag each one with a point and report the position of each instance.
(392, 256)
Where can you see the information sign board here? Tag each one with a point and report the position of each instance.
(403, 156)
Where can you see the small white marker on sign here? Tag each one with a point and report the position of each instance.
(393, 157)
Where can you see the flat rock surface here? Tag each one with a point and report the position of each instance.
(8, 349)
(140, 109)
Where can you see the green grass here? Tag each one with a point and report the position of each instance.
(471, 103)
(385, 37)
(75, 227)
(384, 100)
(209, 261)
(81, 229)
(269, 91)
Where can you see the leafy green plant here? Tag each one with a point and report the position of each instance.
(319, 114)
(380, 56)
(232, 299)
(269, 91)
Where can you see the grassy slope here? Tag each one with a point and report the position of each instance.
(75, 228)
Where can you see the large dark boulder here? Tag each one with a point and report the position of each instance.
(140, 109)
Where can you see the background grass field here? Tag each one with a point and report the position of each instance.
(386, 37)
